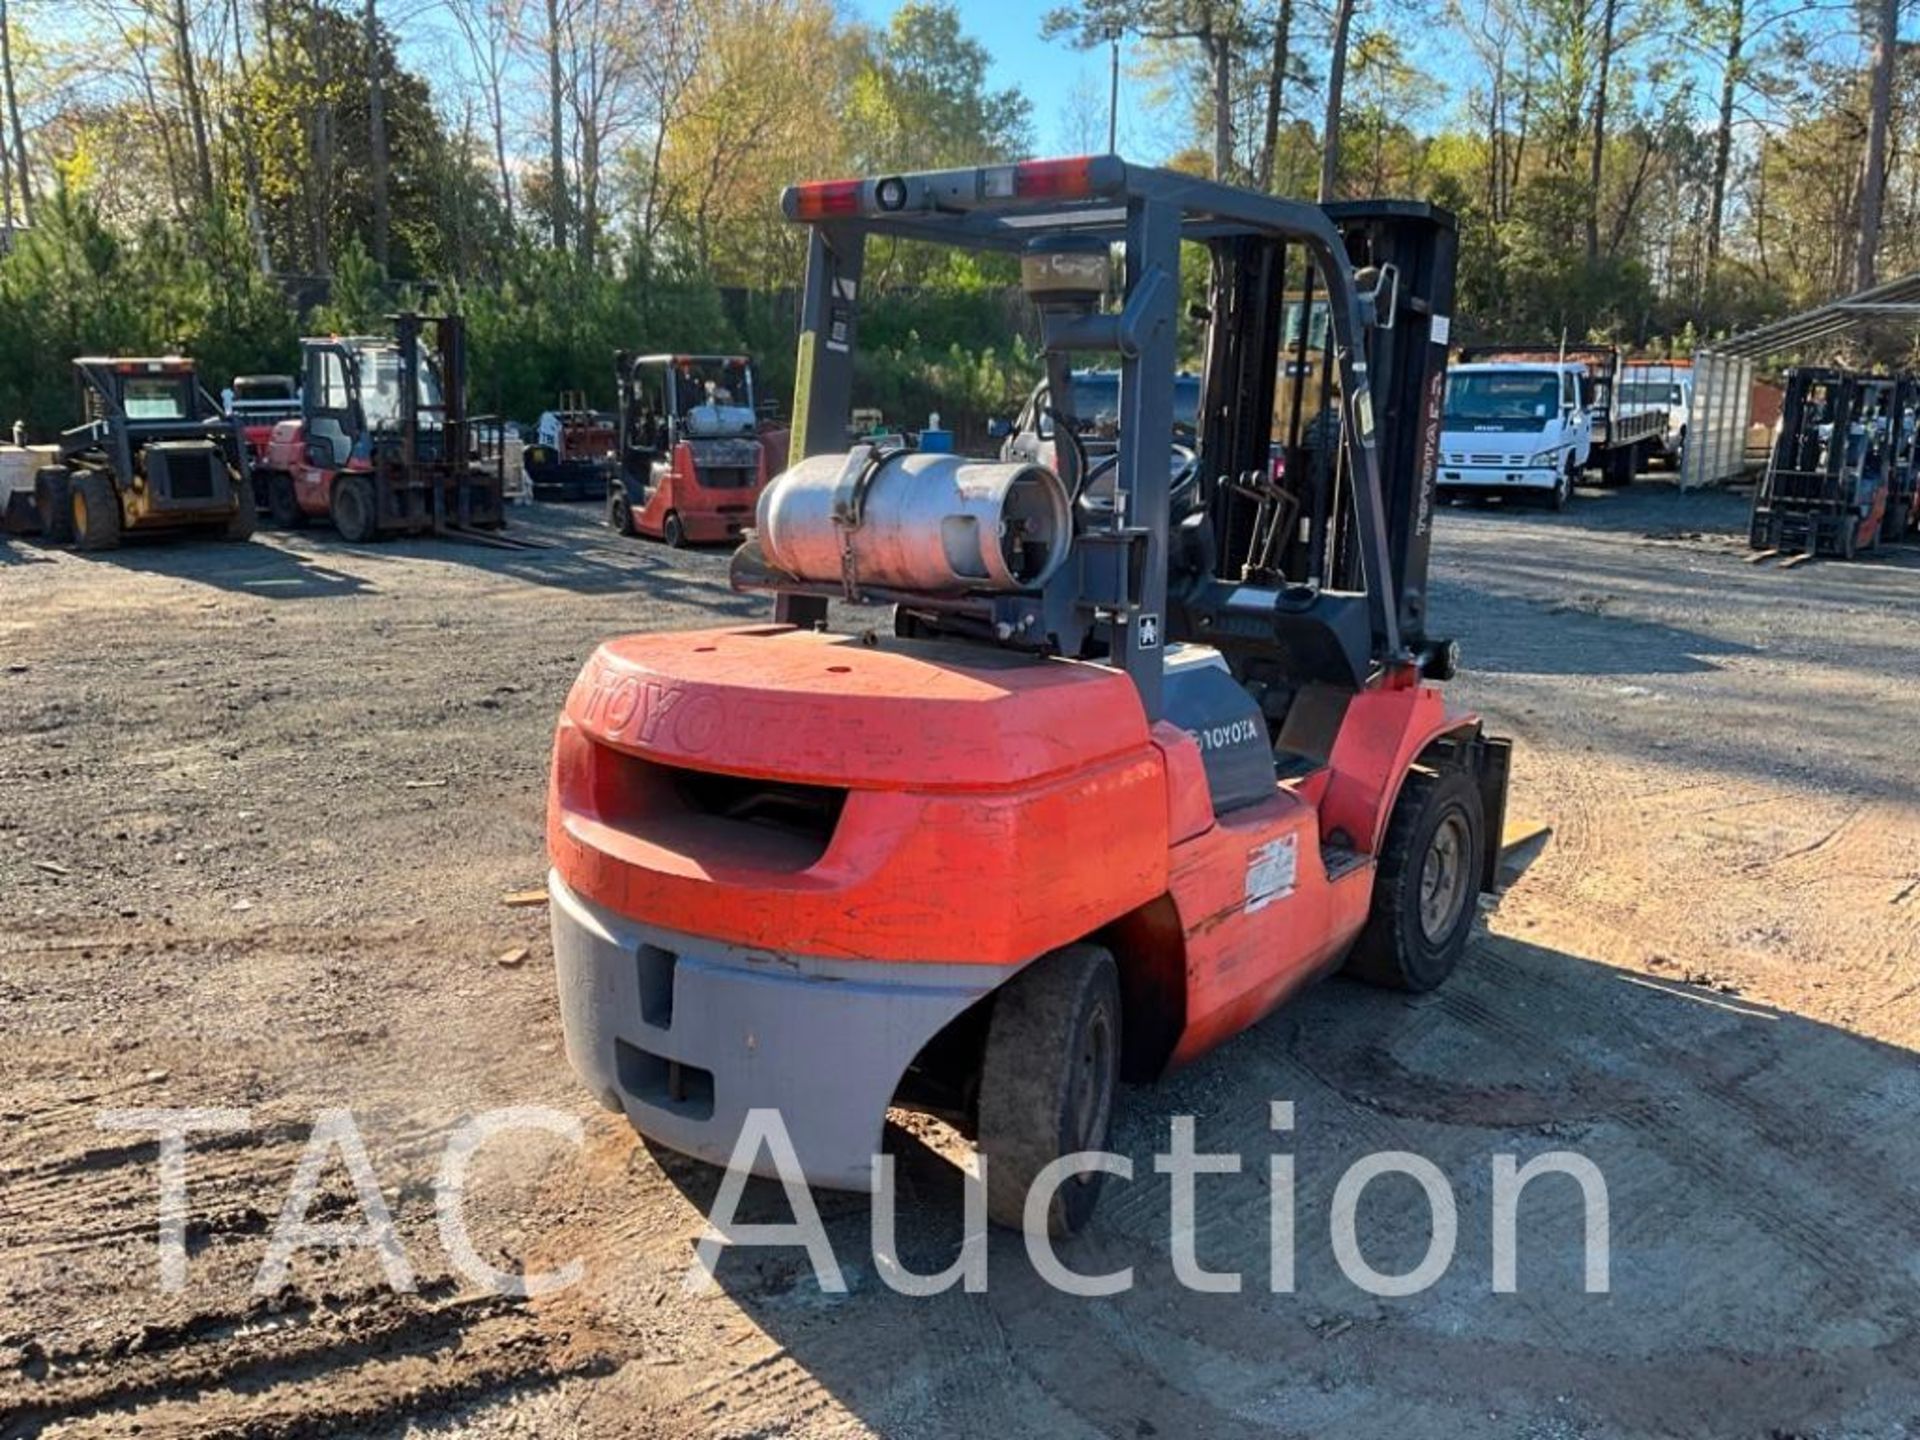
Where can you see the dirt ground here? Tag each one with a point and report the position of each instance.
(259, 806)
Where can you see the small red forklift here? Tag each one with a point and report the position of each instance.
(384, 445)
(692, 457)
(1152, 744)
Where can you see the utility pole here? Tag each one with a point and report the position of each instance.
(1113, 88)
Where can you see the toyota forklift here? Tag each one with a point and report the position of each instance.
(693, 452)
(1840, 476)
(383, 445)
(1148, 748)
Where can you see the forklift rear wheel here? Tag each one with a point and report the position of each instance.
(673, 531)
(620, 515)
(282, 504)
(1424, 888)
(1047, 1082)
(352, 506)
(53, 501)
(96, 512)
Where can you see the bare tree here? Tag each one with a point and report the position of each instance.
(1734, 20)
(187, 68)
(672, 60)
(605, 46)
(1336, 86)
(1885, 16)
(556, 132)
(1609, 14)
(490, 29)
(13, 120)
(249, 151)
(377, 139)
(1276, 93)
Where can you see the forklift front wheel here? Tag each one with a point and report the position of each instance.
(352, 506)
(1047, 1083)
(53, 502)
(620, 515)
(282, 503)
(96, 512)
(673, 531)
(1423, 890)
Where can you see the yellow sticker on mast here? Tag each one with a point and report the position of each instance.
(802, 394)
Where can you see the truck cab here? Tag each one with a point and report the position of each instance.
(1516, 428)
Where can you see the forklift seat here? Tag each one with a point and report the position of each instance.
(329, 432)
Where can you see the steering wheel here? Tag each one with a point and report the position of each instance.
(1185, 474)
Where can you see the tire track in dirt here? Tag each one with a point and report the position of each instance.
(295, 1365)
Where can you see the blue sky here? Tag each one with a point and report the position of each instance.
(1062, 83)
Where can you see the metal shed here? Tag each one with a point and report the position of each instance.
(1723, 371)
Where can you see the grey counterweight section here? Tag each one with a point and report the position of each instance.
(685, 1035)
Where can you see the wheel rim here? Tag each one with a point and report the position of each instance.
(1443, 878)
(1090, 1098)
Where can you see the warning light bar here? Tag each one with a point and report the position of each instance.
(1077, 177)
(1070, 179)
(826, 199)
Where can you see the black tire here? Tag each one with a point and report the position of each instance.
(352, 505)
(283, 506)
(1424, 903)
(1561, 495)
(620, 515)
(96, 512)
(1048, 1079)
(53, 503)
(674, 531)
(246, 513)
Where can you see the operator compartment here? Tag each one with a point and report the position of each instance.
(825, 794)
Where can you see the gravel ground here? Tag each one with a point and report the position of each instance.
(260, 805)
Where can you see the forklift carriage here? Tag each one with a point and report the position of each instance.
(153, 453)
(1840, 477)
(1149, 749)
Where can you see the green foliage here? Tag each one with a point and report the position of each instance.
(72, 288)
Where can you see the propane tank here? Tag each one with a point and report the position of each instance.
(916, 521)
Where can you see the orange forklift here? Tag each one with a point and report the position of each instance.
(1149, 747)
(693, 455)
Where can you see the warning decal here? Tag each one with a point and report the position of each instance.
(1270, 871)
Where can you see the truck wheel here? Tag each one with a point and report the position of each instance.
(283, 505)
(353, 508)
(620, 515)
(53, 502)
(1562, 493)
(1047, 1082)
(673, 531)
(96, 512)
(1427, 876)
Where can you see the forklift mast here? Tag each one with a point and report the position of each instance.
(1311, 562)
